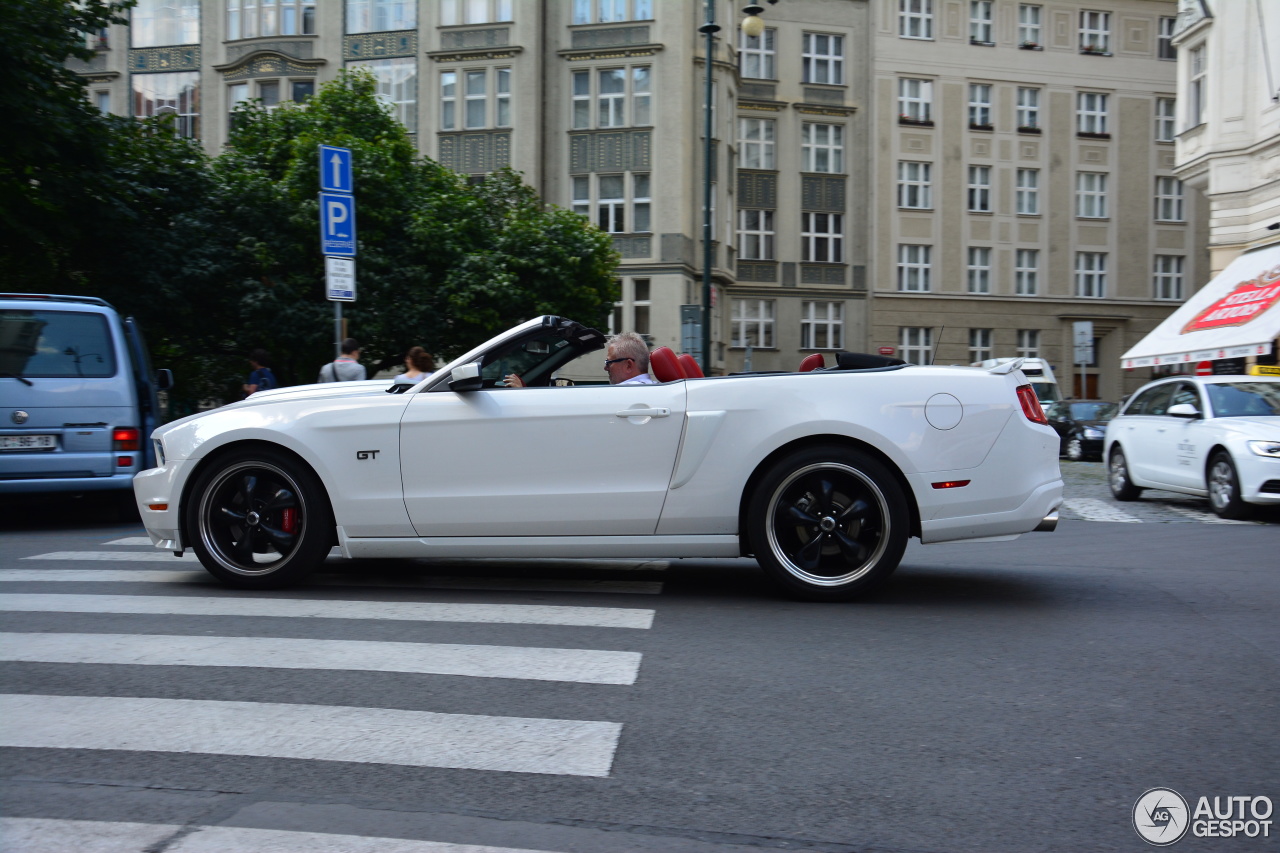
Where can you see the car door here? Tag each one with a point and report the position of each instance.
(1182, 441)
(1138, 428)
(585, 460)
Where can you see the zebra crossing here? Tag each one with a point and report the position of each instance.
(119, 577)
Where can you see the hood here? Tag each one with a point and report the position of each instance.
(319, 391)
(1262, 426)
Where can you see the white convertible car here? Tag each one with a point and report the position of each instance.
(821, 475)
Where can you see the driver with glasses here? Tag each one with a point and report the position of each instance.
(626, 362)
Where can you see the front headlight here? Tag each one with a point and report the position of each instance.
(1266, 448)
(1093, 433)
(159, 446)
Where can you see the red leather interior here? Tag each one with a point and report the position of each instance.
(665, 366)
(813, 362)
(689, 366)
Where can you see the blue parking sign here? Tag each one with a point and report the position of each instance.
(337, 225)
(335, 170)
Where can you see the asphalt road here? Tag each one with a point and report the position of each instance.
(1012, 696)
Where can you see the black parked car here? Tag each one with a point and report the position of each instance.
(1081, 424)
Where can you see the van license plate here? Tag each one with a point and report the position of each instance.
(28, 442)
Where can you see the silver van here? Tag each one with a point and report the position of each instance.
(77, 395)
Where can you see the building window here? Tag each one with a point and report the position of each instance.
(755, 235)
(1028, 343)
(980, 347)
(614, 87)
(1095, 32)
(1029, 26)
(822, 237)
(176, 94)
(1091, 275)
(1198, 86)
(1027, 192)
(915, 185)
(609, 11)
(915, 344)
(1164, 45)
(757, 55)
(1166, 123)
(752, 321)
(822, 147)
(640, 304)
(157, 23)
(980, 189)
(823, 59)
(475, 99)
(454, 12)
(822, 325)
(1091, 113)
(980, 106)
(607, 208)
(1091, 195)
(611, 203)
(915, 19)
(1026, 272)
(755, 143)
(979, 269)
(248, 19)
(376, 16)
(915, 99)
(1169, 199)
(980, 22)
(102, 100)
(1028, 109)
(641, 198)
(448, 100)
(502, 103)
(914, 268)
(397, 86)
(1167, 279)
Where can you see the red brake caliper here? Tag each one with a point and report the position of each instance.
(289, 520)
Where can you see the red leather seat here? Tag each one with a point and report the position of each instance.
(813, 362)
(689, 366)
(665, 366)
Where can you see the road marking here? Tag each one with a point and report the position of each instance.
(241, 604)
(131, 540)
(1200, 515)
(313, 732)
(41, 835)
(116, 556)
(584, 666)
(1092, 509)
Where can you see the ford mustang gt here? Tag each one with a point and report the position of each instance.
(821, 475)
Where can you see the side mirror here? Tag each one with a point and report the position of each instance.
(1183, 410)
(164, 379)
(466, 377)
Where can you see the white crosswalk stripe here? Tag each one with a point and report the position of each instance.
(1201, 516)
(1092, 509)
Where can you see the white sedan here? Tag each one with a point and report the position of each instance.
(1214, 436)
(821, 475)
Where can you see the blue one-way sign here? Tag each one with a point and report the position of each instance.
(335, 170)
(337, 225)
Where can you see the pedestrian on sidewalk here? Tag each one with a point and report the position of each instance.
(346, 367)
(260, 378)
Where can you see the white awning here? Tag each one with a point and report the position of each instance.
(1235, 315)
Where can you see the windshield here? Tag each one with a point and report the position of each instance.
(1092, 411)
(538, 358)
(1244, 399)
(55, 344)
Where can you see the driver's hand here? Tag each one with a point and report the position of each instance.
(513, 381)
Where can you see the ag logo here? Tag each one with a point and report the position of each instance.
(1161, 817)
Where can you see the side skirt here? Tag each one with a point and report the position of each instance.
(555, 547)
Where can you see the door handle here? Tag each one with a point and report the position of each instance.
(645, 413)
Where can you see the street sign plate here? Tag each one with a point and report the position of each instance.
(335, 170)
(340, 279)
(337, 225)
(888, 350)
(1082, 335)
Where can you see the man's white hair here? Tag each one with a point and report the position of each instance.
(631, 345)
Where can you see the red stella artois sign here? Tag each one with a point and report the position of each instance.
(1247, 300)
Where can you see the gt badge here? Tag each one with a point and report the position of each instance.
(367, 454)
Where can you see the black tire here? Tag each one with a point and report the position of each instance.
(1224, 487)
(828, 523)
(1075, 449)
(1122, 488)
(259, 519)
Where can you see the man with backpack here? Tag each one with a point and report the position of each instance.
(346, 367)
(260, 378)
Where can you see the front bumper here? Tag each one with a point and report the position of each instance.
(161, 487)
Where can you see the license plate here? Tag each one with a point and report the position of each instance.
(28, 442)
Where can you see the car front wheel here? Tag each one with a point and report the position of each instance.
(1075, 450)
(259, 519)
(828, 523)
(1224, 488)
(1122, 488)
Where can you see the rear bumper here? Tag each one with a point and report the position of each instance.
(1033, 514)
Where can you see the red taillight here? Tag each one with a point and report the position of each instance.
(951, 484)
(1031, 405)
(124, 438)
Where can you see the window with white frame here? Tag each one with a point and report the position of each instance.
(915, 19)
(915, 185)
(822, 325)
(1091, 195)
(611, 90)
(269, 93)
(1167, 277)
(823, 59)
(1164, 44)
(1091, 275)
(915, 99)
(914, 268)
(980, 189)
(455, 12)
(980, 105)
(631, 311)
(1095, 32)
(248, 19)
(1091, 112)
(978, 271)
(609, 11)
(758, 55)
(397, 86)
(822, 237)
(159, 23)
(755, 235)
(611, 203)
(980, 347)
(1197, 85)
(102, 100)
(1028, 345)
(756, 143)
(174, 93)
(821, 147)
(641, 200)
(1028, 108)
(448, 100)
(475, 99)
(981, 22)
(376, 16)
(752, 323)
(606, 199)
(1169, 199)
(485, 95)
(1029, 25)
(915, 344)
(1026, 272)
(1166, 119)
(1027, 192)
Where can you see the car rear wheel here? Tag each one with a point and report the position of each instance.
(1075, 450)
(1224, 488)
(828, 523)
(259, 519)
(1122, 488)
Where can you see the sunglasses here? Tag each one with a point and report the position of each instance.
(612, 361)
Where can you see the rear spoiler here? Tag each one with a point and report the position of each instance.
(1007, 367)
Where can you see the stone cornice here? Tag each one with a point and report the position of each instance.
(473, 55)
(255, 56)
(621, 52)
